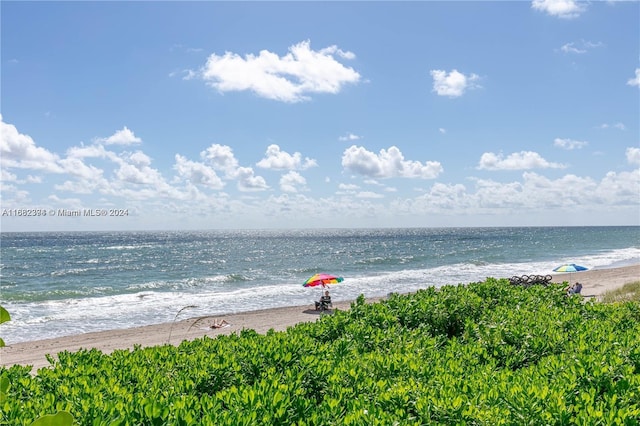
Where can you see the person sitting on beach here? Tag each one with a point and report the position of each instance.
(575, 289)
(325, 302)
(220, 324)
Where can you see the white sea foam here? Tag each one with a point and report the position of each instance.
(155, 301)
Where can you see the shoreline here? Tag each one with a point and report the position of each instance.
(595, 282)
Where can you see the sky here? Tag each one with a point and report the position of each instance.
(253, 115)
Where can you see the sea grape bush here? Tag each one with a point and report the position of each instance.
(61, 418)
(486, 353)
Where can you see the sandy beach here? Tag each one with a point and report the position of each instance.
(595, 283)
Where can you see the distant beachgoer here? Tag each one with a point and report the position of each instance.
(220, 324)
(575, 289)
(325, 301)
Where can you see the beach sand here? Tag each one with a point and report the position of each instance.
(595, 283)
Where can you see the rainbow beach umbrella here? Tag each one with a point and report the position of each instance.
(322, 279)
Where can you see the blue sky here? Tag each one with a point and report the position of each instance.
(206, 115)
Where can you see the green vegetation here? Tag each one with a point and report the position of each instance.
(628, 292)
(58, 419)
(482, 354)
(4, 317)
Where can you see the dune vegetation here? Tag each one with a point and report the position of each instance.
(486, 353)
(628, 292)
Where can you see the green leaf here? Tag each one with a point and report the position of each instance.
(61, 418)
(4, 315)
(4, 384)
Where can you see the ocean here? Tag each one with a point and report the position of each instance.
(64, 283)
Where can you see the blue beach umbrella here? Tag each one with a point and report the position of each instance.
(570, 267)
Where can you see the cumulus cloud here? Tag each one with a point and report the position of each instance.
(7, 176)
(533, 192)
(292, 182)
(633, 155)
(443, 196)
(569, 144)
(453, 84)
(280, 160)
(388, 163)
(290, 78)
(76, 167)
(122, 137)
(523, 160)
(91, 151)
(635, 81)
(221, 157)
(565, 9)
(197, 173)
(18, 150)
(136, 168)
(248, 181)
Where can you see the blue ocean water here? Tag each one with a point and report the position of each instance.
(57, 284)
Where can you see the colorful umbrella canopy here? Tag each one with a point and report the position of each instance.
(322, 279)
(570, 267)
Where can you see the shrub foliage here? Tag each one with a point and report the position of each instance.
(481, 354)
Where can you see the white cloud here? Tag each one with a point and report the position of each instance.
(13, 196)
(349, 137)
(76, 167)
(197, 173)
(292, 182)
(619, 126)
(389, 163)
(71, 203)
(122, 137)
(445, 197)
(136, 168)
(635, 81)
(580, 47)
(453, 84)
(569, 144)
(565, 9)
(633, 155)
(570, 48)
(523, 160)
(7, 176)
(369, 195)
(221, 158)
(18, 150)
(442, 130)
(280, 160)
(248, 182)
(91, 151)
(290, 78)
(619, 188)
(348, 187)
(533, 193)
